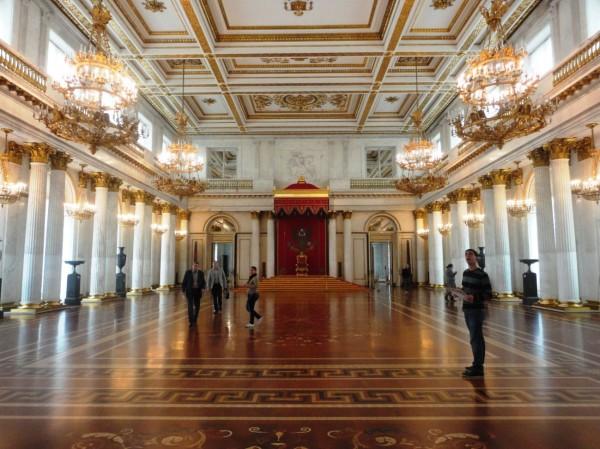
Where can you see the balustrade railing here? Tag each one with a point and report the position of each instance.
(17, 65)
(230, 184)
(373, 184)
(579, 59)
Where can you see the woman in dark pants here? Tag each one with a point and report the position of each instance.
(252, 285)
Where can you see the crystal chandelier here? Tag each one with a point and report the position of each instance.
(81, 209)
(589, 188)
(420, 184)
(180, 159)
(128, 219)
(159, 228)
(180, 234)
(445, 228)
(520, 208)
(442, 4)
(474, 220)
(498, 91)
(423, 233)
(99, 95)
(9, 191)
(420, 153)
(298, 7)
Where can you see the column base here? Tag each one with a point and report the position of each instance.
(138, 292)
(436, 286)
(95, 299)
(163, 288)
(505, 297)
(35, 309)
(421, 284)
(567, 307)
(8, 306)
(110, 295)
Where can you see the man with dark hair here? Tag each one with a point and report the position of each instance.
(192, 285)
(450, 281)
(477, 289)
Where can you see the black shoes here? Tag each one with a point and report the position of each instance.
(471, 372)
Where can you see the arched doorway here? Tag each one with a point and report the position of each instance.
(382, 230)
(221, 231)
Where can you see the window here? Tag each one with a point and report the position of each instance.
(166, 142)
(222, 163)
(541, 58)
(145, 132)
(437, 142)
(454, 139)
(58, 52)
(380, 162)
(592, 13)
(6, 20)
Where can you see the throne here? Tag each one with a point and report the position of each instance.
(301, 264)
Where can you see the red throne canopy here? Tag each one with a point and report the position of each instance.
(301, 210)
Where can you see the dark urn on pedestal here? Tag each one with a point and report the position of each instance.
(481, 258)
(530, 293)
(73, 284)
(121, 285)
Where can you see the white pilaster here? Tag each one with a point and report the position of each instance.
(564, 222)
(112, 227)
(182, 255)
(165, 249)
(172, 246)
(332, 244)
(348, 248)
(462, 231)
(31, 290)
(155, 248)
(420, 215)
(255, 242)
(270, 245)
(489, 228)
(137, 267)
(456, 257)
(53, 260)
(147, 239)
(98, 266)
(503, 282)
(436, 255)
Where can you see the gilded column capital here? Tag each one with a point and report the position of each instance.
(347, 214)
(165, 207)
(157, 208)
(39, 152)
(14, 153)
(436, 206)
(516, 177)
(539, 157)
(255, 214)
(126, 196)
(331, 214)
(584, 149)
(83, 180)
(445, 206)
(139, 196)
(419, 213)
(486, 182)
(462, 194)
(100, 179)
(560, 148)
(183, 214)
(500, 177)
(114, 184)
(59, 160)
(474, 195)
(149, 198)
(453, 197)
(173, 209)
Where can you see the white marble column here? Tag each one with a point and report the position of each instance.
(564, 221)
(348, 248)
(255, 242)
(147, 239)
(489, 227)
(183, 252)
(462, 231)
(137, 267)
(31, 289)
(14, 237)
(517, 247)
(420, 215)
(456, 256)
(98, 265)
(125, 238)
(172, 246)
(548, 291)
(165, 249)
(53, 260)
(332, 243)
(436, 255)
(270, 245)
(156, 246)
(503, 285)
(112, 227)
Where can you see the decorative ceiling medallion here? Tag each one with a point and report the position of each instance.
(442, 4)
(391, 99)
(318, 60)
(154, 5)
(209, 101)
(409, 61)
(300, 102)
(298, 7)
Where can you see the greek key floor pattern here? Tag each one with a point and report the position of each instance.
(358, 370)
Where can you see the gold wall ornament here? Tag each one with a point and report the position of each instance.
(209, 101)
(9, 191)
(301, 102)
(473, 221)
(154, 5)
(445, 229)
(392, 99)
(298, 7)
(588, 189)
(519, 208)
(423, 233)
(500, 177)
(486, 182)
(159, 228)
(60, 160)
(497, 90)
(99, 95)
(81, 209)
(128, 219)
(540, 157)
(442, 4)
(13, 152)
(419, 213)
(101, 179)
(516, 176)
(180, 234)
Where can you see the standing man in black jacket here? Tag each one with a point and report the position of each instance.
(192, 286)
(477, 290)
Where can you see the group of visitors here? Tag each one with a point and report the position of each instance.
(194, 284)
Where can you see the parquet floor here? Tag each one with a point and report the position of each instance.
(357, 371)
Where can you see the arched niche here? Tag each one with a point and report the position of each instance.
(385, 248)
(221, 233)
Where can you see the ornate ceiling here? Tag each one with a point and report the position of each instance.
(253, 67)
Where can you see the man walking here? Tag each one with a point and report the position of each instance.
(192, 285)
(450, 281)
(217, 282)
(477, 289)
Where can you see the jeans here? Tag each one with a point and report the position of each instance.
(193, 301)
(474, 319)
(217, 294)
(250, 304)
